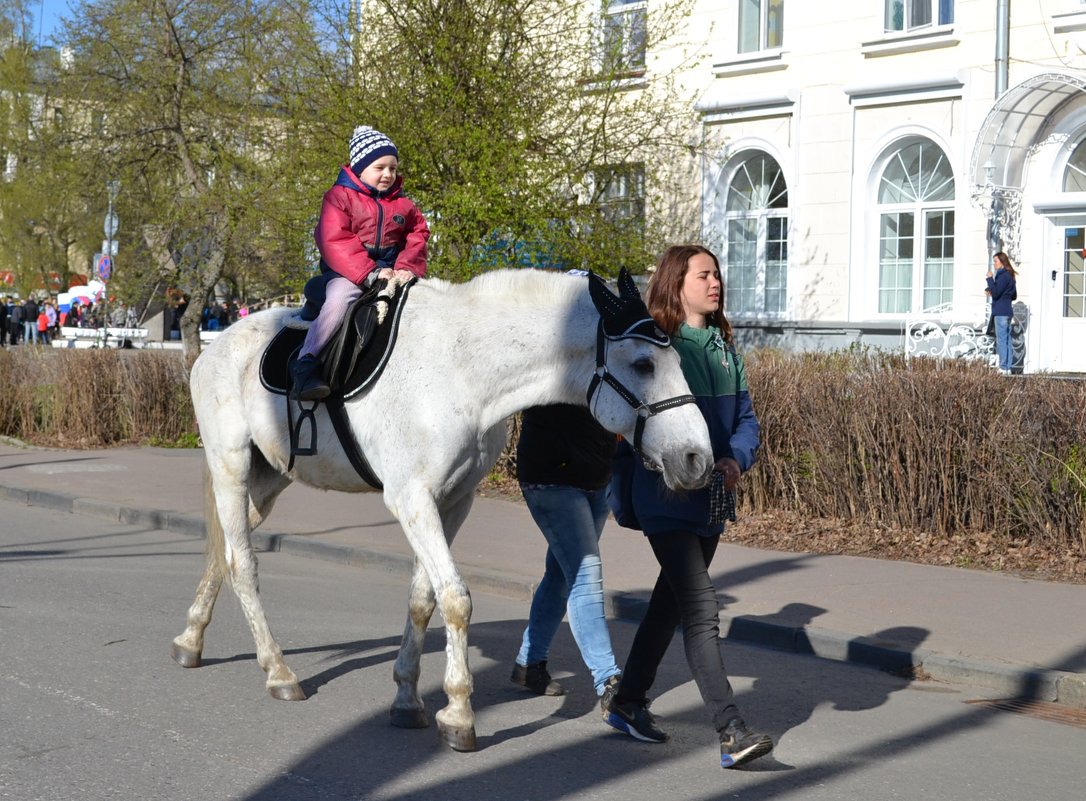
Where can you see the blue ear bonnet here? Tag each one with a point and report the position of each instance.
(624, 316)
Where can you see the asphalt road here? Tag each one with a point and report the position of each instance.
(92, 707)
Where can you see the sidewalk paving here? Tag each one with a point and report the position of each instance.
(1008, 637)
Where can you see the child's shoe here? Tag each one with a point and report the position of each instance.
(306, 383)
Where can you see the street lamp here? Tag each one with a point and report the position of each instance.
(995, 208)
(105, 266)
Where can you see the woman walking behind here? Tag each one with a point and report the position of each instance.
(563, 466)
(1003, 287)
(686, 298)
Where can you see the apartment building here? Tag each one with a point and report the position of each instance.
(865, 157)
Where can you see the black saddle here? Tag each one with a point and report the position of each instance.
(350, 363)
(354, 358)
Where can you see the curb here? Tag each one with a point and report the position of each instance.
(1006, 680)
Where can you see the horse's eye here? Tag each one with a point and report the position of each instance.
(644, 367)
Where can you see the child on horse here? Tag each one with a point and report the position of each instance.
(368, 230)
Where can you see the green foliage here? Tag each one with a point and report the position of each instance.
(224, 123)
(509, 128)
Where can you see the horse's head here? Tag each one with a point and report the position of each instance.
(639, 390)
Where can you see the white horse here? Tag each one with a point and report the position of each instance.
(468, 357)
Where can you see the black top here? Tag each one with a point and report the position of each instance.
(564, 445)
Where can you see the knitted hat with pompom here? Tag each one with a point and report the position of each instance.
(368, 145)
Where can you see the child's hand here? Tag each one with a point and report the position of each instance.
(384, 273)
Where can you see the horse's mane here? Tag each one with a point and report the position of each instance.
(520, 284)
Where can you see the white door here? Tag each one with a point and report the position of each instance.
(1063, 346)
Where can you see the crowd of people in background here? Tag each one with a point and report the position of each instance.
(38, 322)
(217, 316)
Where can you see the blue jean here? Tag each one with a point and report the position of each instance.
(572, 521)
(1003, 342)
(30, 332)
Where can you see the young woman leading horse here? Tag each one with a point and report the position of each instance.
(431, 428)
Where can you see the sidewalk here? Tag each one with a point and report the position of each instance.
(1006, 636)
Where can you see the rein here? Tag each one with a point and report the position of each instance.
(604, 375)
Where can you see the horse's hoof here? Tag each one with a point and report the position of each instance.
(184, 657)
(457, 738)
(408, 718)
(286, 692)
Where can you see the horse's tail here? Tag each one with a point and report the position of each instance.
(216, 539)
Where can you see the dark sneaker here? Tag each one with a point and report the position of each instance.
(610, 689)
(536, 678)
(738, 744)
(305, 380)
(634, 719)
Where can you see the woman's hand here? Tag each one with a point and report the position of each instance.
(730, 468)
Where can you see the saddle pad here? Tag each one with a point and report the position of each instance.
(275, 361)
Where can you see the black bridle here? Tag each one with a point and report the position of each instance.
(603, 375)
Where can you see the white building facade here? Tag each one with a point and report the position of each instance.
(871, 154)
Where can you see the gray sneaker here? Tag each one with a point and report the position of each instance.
(537, 678)
(738, 744)
(610, 689)
(634, 719)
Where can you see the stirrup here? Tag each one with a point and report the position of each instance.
(296, 428)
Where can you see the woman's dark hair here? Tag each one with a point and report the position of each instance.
(1005, 262)
(664, 295)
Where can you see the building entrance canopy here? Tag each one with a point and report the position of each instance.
(1015, 123)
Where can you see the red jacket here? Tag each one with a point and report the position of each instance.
(361, 229)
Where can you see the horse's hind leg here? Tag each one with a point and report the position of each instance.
(229, 511)
(188, 647)
(265, 485)
(408, 711)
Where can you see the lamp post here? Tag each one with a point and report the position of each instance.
(105, 271)
(995, 207)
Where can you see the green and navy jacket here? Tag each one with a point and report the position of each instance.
(718, 380)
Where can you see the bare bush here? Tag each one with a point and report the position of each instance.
(94, 398)
(939, 446)
(947, 449)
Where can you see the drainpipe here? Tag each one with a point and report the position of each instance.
(1003, 35)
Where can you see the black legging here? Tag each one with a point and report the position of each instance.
(684, 593)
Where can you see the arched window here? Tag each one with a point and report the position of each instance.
(916, 229)
(756, 252)
(1074, 175)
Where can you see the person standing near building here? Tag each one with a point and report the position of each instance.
(1003, 287)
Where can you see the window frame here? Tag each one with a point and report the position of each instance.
(619, 190)
(764, 218)
(629, 56)
(940, 13)
(764, 27)
(920, 211)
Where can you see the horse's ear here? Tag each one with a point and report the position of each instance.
(626, 286)
(605, 301)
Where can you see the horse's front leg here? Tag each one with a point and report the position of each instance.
(418, 514)
(408, 711)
